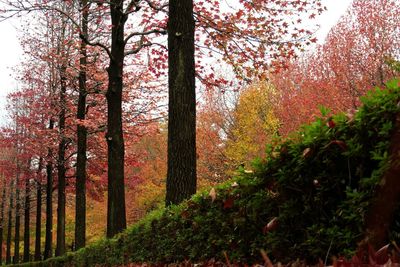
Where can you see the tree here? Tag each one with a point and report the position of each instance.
(2, 204)
(27, 212)
(181, 174)
(9, 227)
(354, 58)
(234, 36)
(80, 213)
(254, 124)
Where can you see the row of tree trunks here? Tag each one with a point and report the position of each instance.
(27, 209)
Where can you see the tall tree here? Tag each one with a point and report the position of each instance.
(80, 212)
(9, 226)
(17, 203)
(27, 212)
(38, 224)
(116, 214)
(48, 245)
(2, 204)
(181, 174)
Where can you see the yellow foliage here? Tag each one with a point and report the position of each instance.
(254, 124)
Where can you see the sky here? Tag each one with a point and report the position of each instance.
(10, 56)
(11, 52)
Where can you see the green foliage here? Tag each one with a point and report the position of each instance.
(318, 184)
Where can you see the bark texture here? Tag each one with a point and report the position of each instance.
(9, 226)
(17, 217)
(38, 225)
(116, 215)
(48, 245)
(80, 206)
(27, 220)
(3, 202)
(60, 248)
(181, 177)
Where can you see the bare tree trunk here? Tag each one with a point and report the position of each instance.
(27, 220)
(17, 217)
(116, 214)
(9, 227)
(3, 200)
(38, 229)
(48, 250)
(60, 249)
(38, 224)
(181, 176)
(80, 212)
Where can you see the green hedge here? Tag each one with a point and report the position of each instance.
(318, 184)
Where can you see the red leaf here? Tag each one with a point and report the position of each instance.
(228, 203)
(331, 123)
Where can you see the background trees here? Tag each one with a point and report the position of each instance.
(354, 58)
(101, 71)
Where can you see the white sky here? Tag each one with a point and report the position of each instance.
(11, 54)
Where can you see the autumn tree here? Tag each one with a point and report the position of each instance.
(181, 175)
(234, 37)
(254, 124)
(354, 58)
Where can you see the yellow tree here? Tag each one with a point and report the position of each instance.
(254, 124)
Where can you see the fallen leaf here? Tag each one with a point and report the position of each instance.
(272, 225)
(307, 152)
(382, 255)
(213, 194)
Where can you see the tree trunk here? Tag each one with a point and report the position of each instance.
(60, 249)
(38, 223)
(181, 176)
(381, 213)
(17, 218)
(3, 200)
(27, 220)
(116, 215)
(9, 227)
(80, 206)
(48, 250)
(38, 230)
